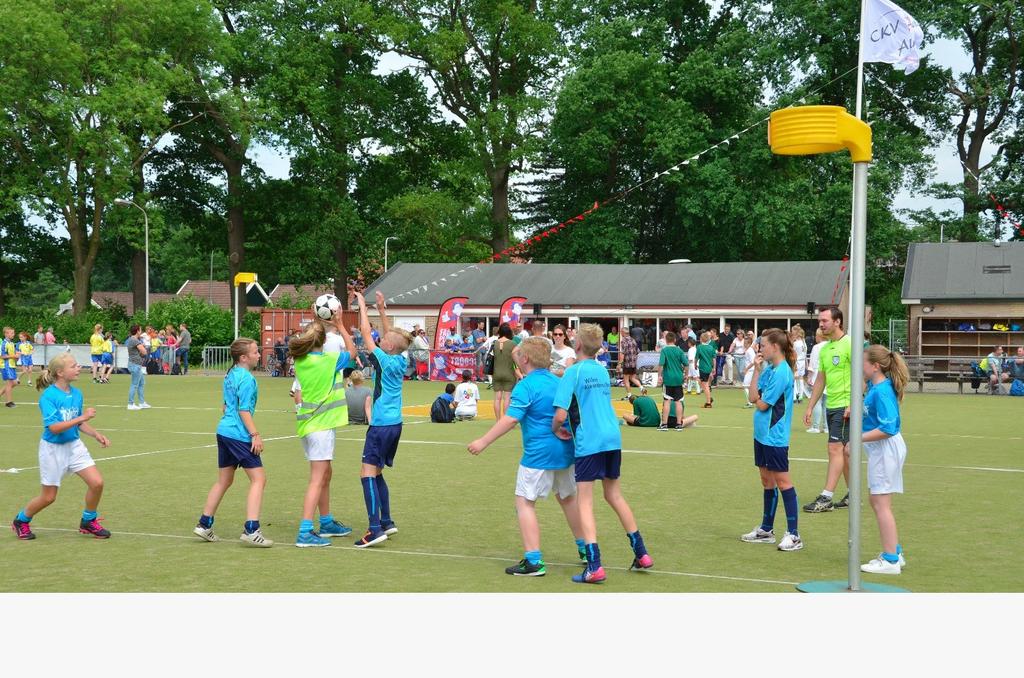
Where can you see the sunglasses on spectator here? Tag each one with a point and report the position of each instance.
(558, 334)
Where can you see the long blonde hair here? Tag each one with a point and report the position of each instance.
(310, 340)
(892, 365)
(50, 373)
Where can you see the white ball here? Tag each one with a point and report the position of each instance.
(326, 306)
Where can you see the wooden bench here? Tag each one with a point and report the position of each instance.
(936, 368)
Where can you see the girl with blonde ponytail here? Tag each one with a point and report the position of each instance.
(887, 377)
(61, 450)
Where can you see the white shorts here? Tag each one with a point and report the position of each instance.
(885, 465)
(57, 460)
(295, 385)
(536, 483)
(801, 368)
(319, 445)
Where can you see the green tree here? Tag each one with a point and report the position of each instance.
(75, 76)
(986, 103)
(492, 63)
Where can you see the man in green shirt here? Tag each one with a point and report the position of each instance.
(834, 376)
(706, 352)
(672, 364)
(645, 414)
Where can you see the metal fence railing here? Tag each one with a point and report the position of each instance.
(216, 359)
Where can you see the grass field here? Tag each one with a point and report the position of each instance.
(693, 493)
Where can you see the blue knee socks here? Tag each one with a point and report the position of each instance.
(370, 496)
(771, 502)
(385, 499)
(789, 501)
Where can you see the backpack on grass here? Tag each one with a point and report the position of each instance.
(441, 411)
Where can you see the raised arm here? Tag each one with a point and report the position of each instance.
(385, 326)
(350, 345)
(364, 325)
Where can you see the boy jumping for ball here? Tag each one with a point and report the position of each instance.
(386, 428)
(584, 397)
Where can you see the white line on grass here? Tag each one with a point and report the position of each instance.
(144, 454)
(669, 453)
(462, 556)
(121, 430)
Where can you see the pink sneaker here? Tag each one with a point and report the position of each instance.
(644, 562)
(94, 528)
(588, 577)
(22, 529)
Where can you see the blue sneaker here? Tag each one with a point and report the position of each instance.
(371, 538)
(334, 529)
(588, 577)
(307, 539)
(389, 527)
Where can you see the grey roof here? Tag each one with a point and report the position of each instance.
(763, 283)
(967, 271)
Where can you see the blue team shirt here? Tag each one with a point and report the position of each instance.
(882, 408)
(586, 393)
(387, 391)
(57, 406)
(239, 396)
(532, 405)
(771, 427)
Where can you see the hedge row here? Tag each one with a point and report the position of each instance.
(209, 325)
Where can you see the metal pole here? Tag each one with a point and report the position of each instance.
(858, 262)
(392, 237)
(236, 309)
(145, 217)
(209, 289)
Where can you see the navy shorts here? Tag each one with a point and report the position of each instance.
(381, 445)
(600, 466)
(705, 376)
(233, 453)
(771, 457)
(838, 425)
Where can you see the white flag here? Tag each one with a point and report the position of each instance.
(891, 36)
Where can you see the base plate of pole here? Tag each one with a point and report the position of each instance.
(843, 586)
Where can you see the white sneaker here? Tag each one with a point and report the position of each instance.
(132, 406)
(205, 533)
(791, 542)
(813, 430)
(144, 406)
(881, 566)
(903, 561)
(759, 536)
(256, 539)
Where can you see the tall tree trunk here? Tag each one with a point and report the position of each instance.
(499, 208)
(236, 232)
(138, 281)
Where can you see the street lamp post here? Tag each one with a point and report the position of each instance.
(390, 237)
(121, 202)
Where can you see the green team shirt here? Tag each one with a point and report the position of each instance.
(706, 357)
(835, 363)
(672, 361)
(646, 412)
